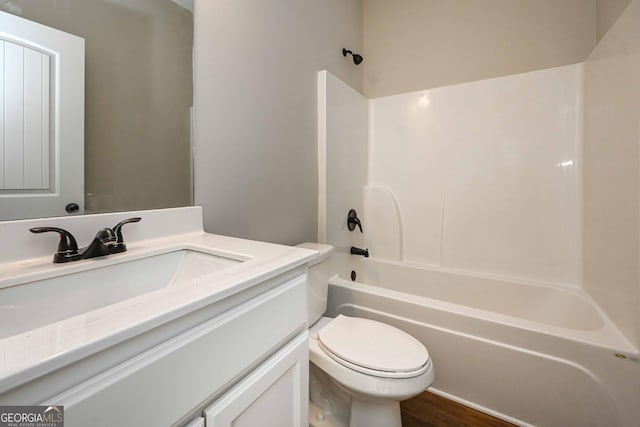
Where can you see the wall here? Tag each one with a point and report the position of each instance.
(481, 177)
(138, 97)
(607, 13)
(338, 24)
(611, 162)
(255, 68)
(420, 44)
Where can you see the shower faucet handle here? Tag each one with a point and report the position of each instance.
(353, 220)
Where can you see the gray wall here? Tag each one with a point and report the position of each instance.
(255, 106)
(607, 13)
(421, 44)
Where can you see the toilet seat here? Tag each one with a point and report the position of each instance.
(373, 348)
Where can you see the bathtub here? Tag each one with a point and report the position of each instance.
(531, 354)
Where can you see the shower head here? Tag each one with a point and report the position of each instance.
(357, 59)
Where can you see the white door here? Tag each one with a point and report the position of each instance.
(41, 120)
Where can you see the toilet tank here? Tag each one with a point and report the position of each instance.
(320, 270)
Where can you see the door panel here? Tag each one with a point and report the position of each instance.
(41, 119)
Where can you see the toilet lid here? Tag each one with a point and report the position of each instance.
(373, 345)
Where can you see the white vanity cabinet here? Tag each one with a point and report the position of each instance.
(247, 365)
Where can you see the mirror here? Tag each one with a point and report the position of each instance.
(137, 101)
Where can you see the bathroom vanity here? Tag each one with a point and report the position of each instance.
(185, 328)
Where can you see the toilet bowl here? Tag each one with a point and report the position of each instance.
(375, 381)
(360, 368)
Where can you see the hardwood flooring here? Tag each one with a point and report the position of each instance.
(430, 410)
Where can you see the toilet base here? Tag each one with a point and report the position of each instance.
(320, 418)
(333, 405)
(329, 404)
(375, 413)
(364, 413)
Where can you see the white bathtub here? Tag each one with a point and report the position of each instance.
(530, 354)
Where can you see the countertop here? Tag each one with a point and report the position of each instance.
(34, 353)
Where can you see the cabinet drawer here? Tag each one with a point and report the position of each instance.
(164, 383)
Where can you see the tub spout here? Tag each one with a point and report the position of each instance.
(358, 251)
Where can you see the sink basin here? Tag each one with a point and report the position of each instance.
(31, 305)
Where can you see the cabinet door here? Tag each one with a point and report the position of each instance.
(273, 395)
(197, 422)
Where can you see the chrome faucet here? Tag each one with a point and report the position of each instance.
(107, 241)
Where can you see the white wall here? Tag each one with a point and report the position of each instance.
(611, 173)
(420, 44)
(485, 175)
(255, 108)
(342, 158)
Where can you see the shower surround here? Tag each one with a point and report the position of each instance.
(530, 180)
(483, 176)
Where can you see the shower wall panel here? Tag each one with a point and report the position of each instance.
(486, 175)
(611, 178)
(342, 161)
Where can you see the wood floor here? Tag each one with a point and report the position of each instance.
(431, 410)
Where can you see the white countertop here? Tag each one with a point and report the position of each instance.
(28, 355)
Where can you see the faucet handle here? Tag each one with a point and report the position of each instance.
(68, 246)
(353, 220)
(119, 245)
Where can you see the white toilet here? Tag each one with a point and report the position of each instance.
(360, 369)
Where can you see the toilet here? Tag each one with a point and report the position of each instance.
(360, 369)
